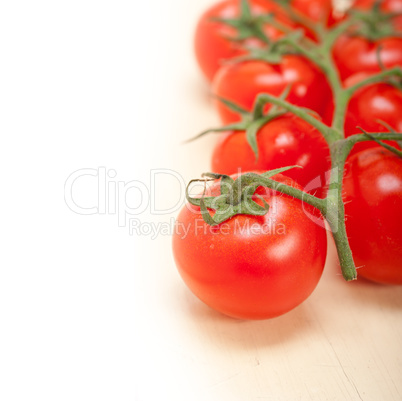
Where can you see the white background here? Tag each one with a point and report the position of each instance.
(90, 312)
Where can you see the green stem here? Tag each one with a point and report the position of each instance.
(335, 209)
(341, 240)
(396, 72)
(382, 136)
(341, 100)
(295, 193)
(300, 18)
(378, 138)
(309, 53)
(323, 59)
(301, 112)
(286, 29)
(333, 34)
(340, 108)
(332, 207)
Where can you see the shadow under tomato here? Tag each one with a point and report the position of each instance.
(243, 334)
(381, 296)
(361, 292)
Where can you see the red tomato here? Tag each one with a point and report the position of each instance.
(353, 54)
(242, 82)
(373, 207)
(284, 141)
(370, 104)
(212, 45)
(251, 267)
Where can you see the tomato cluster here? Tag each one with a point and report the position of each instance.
(238, 267)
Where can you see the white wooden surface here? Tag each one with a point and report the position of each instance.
(90, 312)
(343, 343)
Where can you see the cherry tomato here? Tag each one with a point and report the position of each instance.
(373, 207)
(284, 141)
(353, 54)
(371, 104)
(242, 82)
(251, 267)
(212, 44)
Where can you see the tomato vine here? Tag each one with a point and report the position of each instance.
(332, 206)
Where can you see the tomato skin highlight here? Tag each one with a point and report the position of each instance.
(251, 274)
(357, 54)
(242, 82)
(285, 141)
(373, 208)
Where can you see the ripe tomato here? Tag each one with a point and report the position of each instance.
(242, 82)
(373, 205)
(353, 54)
(284, 141)
(251, 267)
(370, 104)
(212, 44)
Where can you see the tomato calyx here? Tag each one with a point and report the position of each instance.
(373, 24)
(306, 21)
(237, 195)
(274, 53)
(247, 25)
(252, 122)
